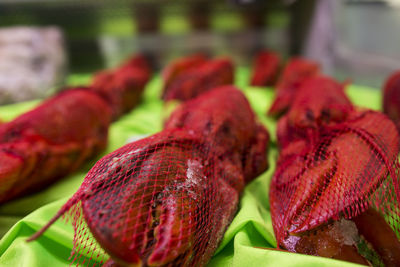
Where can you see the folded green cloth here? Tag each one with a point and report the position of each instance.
(249, 240)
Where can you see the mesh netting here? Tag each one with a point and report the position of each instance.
(391, 97)
(166, 200)
(123, 87)
(318, 101)
(225, 118)
(295, 71)
(196, 75)
(149, 202)
(265, 69)
(337, 179)
(56, 137)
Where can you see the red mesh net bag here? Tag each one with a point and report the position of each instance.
(295, 71)
(149, 203)
(123, 87)
(50, 141)
(318, 101)
(335, 192)
(391, 97)
(166, 200)
(265, 69)
(226, 120)
(196, 80)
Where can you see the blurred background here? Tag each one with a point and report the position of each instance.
(355, 39)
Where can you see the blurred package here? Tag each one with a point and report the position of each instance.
(356, 38)
(33, 62)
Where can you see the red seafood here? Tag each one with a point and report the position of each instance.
(166, 200)
(391, 97)
(201, 78)
(231, 130)
(180, 66)
(265, 69)
(319, 101)
(122, 88)
(337, 174)
(296, 70)
(51, 141)
(59, 135)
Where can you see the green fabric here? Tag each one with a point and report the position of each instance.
(249, 241)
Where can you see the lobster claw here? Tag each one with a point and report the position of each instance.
(11, 166)
(308, 181)
(340, 171)
(175, 232)
(296, 70)
(336, 166)
(265, 69)
(281, 104)
(188, 84)
(256, 161)
(391, 96)
(18, 160)
(319, 101)
(174, 69)
(155, 191)
(366, 148)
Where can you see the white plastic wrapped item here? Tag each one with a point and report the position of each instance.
(357, 39)
(33, 62)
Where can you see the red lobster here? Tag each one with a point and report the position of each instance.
(166, 200)
(180, 66)
(318, 101)
(295, 72)
(192, 76)
(265, 69)
(336, 174)
(391, 98)
(55, 138)
(122, 88)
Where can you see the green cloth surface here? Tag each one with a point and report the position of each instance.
(249, 240)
